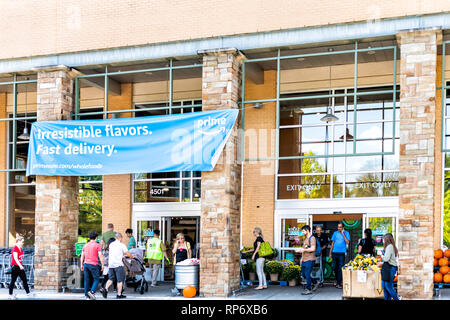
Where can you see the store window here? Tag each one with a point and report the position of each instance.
(90, 199)
(446, 176)
(329, 176)
(380, 226)
(167, 186)
(16, 126)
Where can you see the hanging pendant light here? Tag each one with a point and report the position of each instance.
(348, 136)
(329, 117)
(25, 135)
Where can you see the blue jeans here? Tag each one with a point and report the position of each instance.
(93, 271)
(388, 287)
(307, 267)
(338, 263)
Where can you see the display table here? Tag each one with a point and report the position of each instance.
(361, 284)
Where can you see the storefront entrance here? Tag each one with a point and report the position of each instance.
(290, 225)
(169, 228)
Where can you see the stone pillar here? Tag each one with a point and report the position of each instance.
(416, 182)
(221, 188)
(56, 197)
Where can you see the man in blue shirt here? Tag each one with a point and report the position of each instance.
(339, 242)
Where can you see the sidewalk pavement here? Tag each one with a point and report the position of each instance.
(164, 292)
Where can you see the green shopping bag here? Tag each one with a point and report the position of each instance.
(265, 249)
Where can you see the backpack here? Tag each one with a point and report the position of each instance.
(265, 249)
(318, 251)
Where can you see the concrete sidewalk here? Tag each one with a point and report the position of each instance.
(164, 292)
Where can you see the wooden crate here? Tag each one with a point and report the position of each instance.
(362, 284)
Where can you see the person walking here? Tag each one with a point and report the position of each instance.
(323, 241)
(181, 249)
(367, 245)
(155, 252)
(92, 251)
(308, 259)
(105, 253)
(131, 239)
(339, 243)
(389, 267)
(257, 233)
(117, 250)
(17, 269)
(109, 234)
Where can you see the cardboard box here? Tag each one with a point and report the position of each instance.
(361, 284)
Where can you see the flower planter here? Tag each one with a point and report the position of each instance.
(292, 283)
(252, 276)
(274, 277)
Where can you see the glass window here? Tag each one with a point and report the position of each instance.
(168, 186)
(90, 197)
(302, 133)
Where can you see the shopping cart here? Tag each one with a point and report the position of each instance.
(317, 271)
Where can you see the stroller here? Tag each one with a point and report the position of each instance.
(135, 271)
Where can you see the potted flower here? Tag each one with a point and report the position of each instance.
(290, 274)
(247, 255)
(274, 268)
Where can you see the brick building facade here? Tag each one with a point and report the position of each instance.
(282, 166)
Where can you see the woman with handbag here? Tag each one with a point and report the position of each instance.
(17, 268)
(257, 232)
(389, 267)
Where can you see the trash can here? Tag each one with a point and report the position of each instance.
(186, 276)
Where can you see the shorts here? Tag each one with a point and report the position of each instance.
(117, 274)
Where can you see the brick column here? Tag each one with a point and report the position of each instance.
(117, 189)
(220, 202)
(416, 182)
(56, 197)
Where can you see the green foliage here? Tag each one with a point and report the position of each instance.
(252, 266)
(90, 208)
(273, 267)
(446, 225)
(291, 272)
(246, 255)
(274, 255)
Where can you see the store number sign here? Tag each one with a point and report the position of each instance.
(156, 192)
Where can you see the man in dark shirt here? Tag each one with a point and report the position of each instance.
(323, 241)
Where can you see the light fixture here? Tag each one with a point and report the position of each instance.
(163, 183)
(298, 110)
(329, 117)
(301, 59)
(165, 189)
(291, 115)
(196, 195)
(371, 52)
(348, 136)
(25, 135)
(258, 105)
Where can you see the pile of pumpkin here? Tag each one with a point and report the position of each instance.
(441, 260)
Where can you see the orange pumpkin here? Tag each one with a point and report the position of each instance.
(189, 291)
(447, 278)
(444, 270)
(447, 253)
(437, 277)
(438, 253)
(435, 263)
(443, 262)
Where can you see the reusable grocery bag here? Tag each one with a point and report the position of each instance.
(265, 249)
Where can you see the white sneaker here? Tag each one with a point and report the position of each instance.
(31, 295)
(12, 297)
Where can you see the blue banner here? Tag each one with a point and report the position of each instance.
(181, 142)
